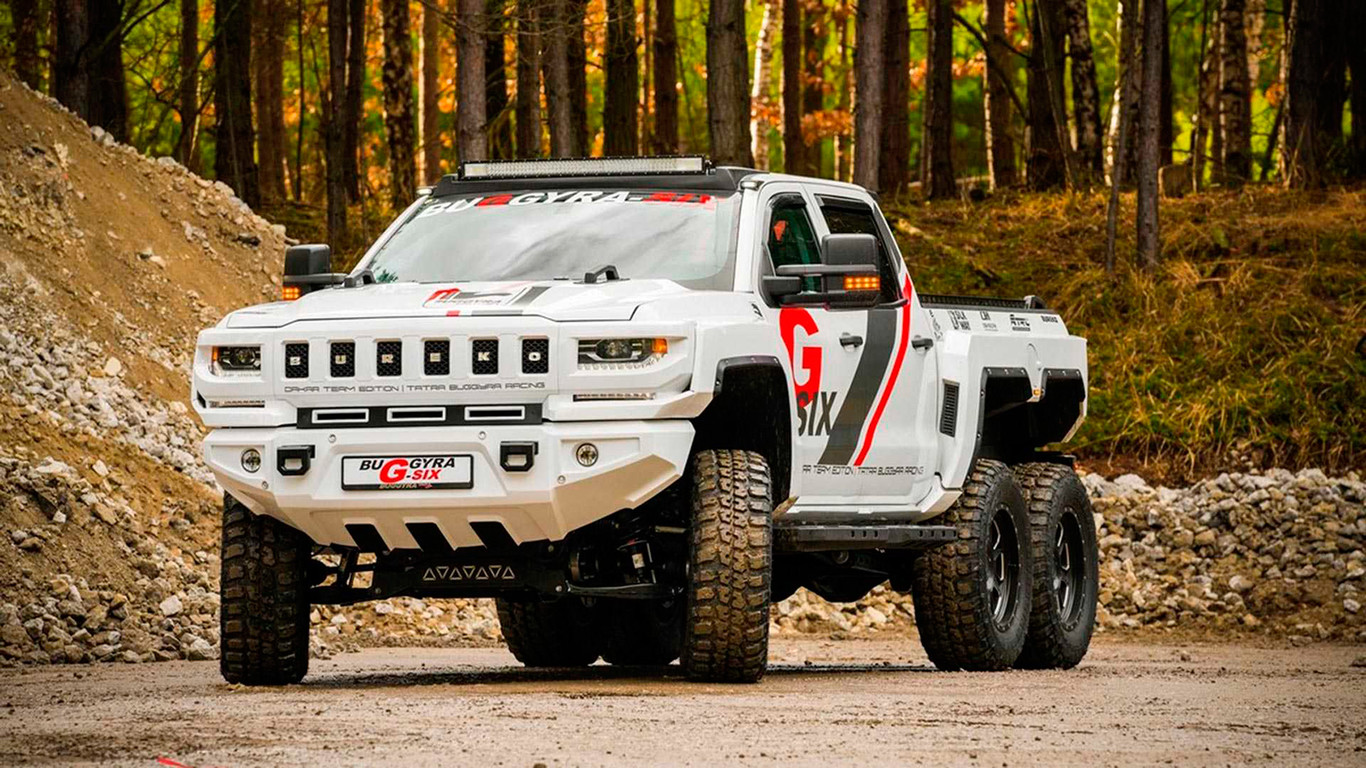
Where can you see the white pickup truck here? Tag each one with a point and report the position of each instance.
(636, 401)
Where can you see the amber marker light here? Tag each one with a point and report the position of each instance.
(862, 283)
(661, 347)
(289, 292)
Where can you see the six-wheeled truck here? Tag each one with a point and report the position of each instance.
(636, 401)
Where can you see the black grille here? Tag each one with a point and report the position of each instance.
(948, 417)
(535, 355)
(296, 361)
(436, 357)
(389, 358)
(343, 359)
(484, 357)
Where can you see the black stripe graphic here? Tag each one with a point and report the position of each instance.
(872, 366)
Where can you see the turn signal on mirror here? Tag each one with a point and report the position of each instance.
(862, 283)
(289, 292)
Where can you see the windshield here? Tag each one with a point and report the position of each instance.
(549, 234)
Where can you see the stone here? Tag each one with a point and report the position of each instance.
(1240, 584)
(171, 606)
(112, 367)
(201, 650)
(1350, 605)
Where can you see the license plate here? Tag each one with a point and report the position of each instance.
(407, 473)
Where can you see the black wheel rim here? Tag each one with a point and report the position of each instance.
(1069, 566)
(1003, 567)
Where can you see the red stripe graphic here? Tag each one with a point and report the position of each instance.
(907, 289)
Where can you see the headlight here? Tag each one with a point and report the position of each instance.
(236, 361)
(609, 354)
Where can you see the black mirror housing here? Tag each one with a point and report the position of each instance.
(305, 260)
(849, 250)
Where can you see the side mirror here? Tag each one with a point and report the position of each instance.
(847, 278)
(307, 268)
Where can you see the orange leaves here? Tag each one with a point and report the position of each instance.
(826, 123)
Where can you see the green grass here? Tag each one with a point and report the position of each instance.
(1239, 350)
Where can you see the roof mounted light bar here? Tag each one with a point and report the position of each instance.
(595, 166)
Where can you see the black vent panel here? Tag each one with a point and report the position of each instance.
(535, 355)
(948, 417)
(296, 361)
(389, 358)
(436, 357)
(343, 359)
(484, 357)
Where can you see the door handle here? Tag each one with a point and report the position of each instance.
(850, 340)
(922, 342)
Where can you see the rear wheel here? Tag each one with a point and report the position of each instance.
(642, 633)
(730, 568)
(1066, 567)
(549, 634)
(972, 596)
(263, 616)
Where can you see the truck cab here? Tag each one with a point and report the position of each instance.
(637, 400)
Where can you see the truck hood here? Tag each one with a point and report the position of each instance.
(557, 300)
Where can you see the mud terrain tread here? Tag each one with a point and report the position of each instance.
(264, 611)
(1046, 646)
(951, 614)
(730, 568)
(547, 634)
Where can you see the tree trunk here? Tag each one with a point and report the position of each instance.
(936, 165)
(1047, 159)
(1122, 119)
(26, 61)
(528, 79)
(870, 39)
(1149, 136)
(397, 79)
(1166, 127)
(496, 109)
(268, 70)
(1333, 84)
(430, 93)
(1356, 62)
(1125, 92)
(559, 107)
(70, 68)
(108, 99)
(813, 84)
(728, 83)
(1000, 73)
(894, 167)
(187, 145)
(844, 140)
(620, 117)
(1085, 92)
(471, 92)
(578, 75)
(334, 110)
(1206, 112)
(1235, 96)
(666, 77)
(355, 80)
(794, 149)
(1302, 147)
(758, 95)
(235, 146)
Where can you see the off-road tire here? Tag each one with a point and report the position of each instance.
(950, 585)
(730, 568)
(263, 617)
(641, 633)
(549, 634)
(1066, 584)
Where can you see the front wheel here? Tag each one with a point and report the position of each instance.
(730, 568)
(1066, 567)
(558, 633)
(972, 596)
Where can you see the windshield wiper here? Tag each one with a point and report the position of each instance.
(607, 272)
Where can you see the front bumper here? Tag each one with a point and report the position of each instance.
(636, 460)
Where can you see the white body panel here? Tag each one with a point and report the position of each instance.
(866, 418)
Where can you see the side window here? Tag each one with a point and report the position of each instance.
(791, 237)
(850, 217)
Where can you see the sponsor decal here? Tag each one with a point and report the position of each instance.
(1052, 319)
(1018, 323)
(959, 319)
(568, 196)
(486, 572)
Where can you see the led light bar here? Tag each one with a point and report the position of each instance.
(596, 166)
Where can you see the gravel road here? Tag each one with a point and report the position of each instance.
(824, 702)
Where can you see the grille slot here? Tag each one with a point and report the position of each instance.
(535, 356)
(436, 357)
(495, 413)
(948, 416)
(343, 359)
(417, 415)
(342, 416)
(389, 358)
(484, 357)
(296, 361)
